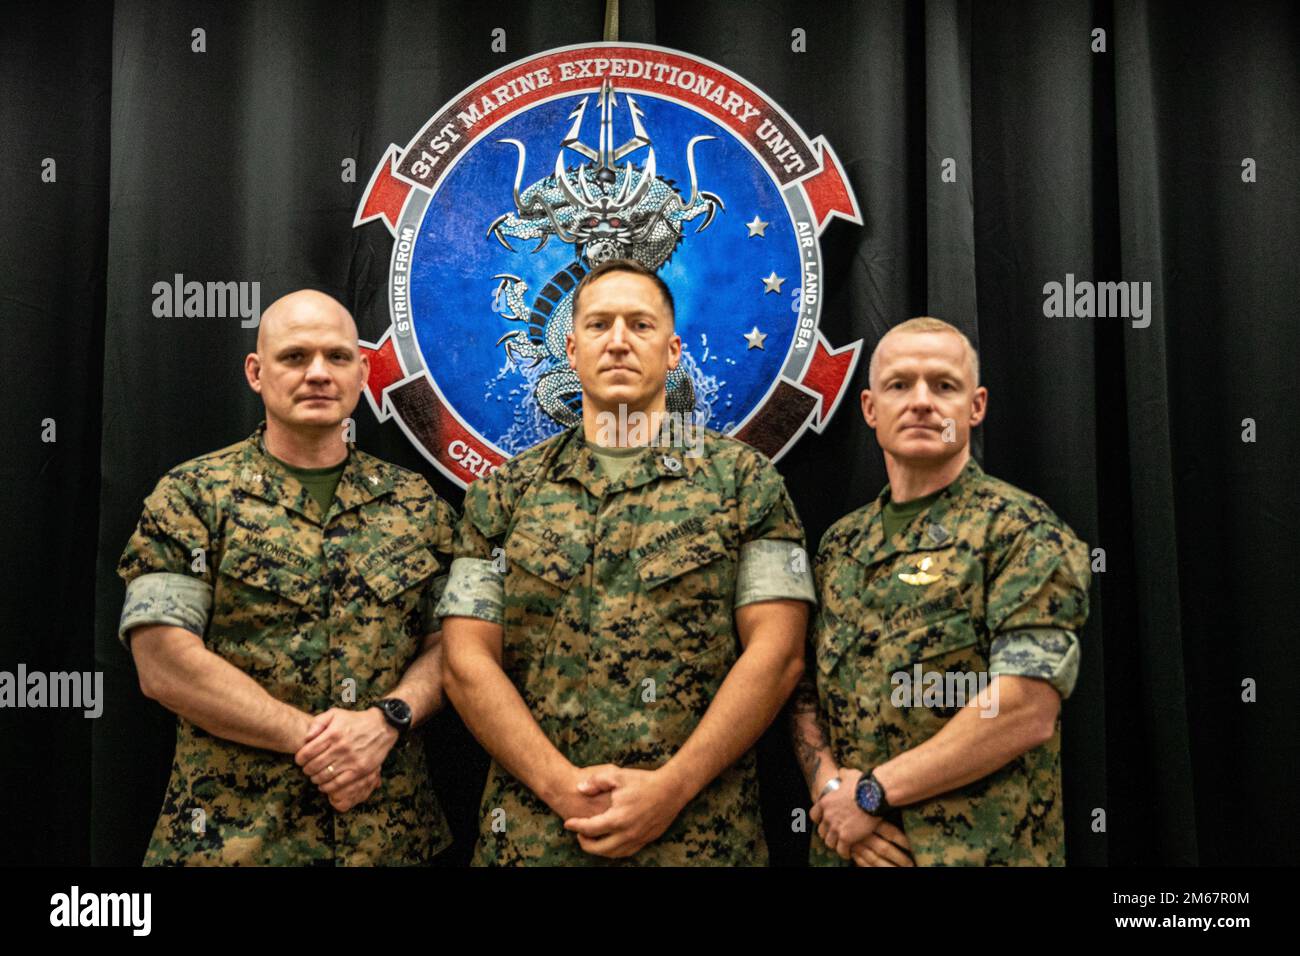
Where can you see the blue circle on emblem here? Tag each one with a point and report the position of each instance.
(489, 319)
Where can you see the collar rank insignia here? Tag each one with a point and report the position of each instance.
(922, 576)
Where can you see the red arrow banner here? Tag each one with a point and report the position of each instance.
(385, 369)
(828, 375)
(827, 189)
(386, 195)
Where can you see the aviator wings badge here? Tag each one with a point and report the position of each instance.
(922, 576)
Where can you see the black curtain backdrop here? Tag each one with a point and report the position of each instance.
(1122, 165)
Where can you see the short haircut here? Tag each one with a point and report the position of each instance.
(926, 323)
(627, 265)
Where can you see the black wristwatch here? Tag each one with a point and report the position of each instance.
(397, 712)
(870, 796)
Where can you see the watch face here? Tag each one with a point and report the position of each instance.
(869, 795)
(399, 709)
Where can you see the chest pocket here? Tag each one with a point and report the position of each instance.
(833, 637)
(917, 588)
(853, 690)
(390, 578)
(933, 640)
(948, 658)
(254, 568)
(541, 568)
(691, 585)
(558, 563)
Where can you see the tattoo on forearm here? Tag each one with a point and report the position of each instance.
(810, 744)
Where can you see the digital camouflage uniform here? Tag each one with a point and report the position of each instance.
(618, 623)
(301, 602)
(987, 581)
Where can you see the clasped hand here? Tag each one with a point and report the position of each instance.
(616, 811)
(855, 834)
(343, 751)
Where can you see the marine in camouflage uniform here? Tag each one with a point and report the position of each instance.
(989, 581)
(301, 602)
(613, 587)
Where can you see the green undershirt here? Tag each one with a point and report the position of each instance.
(899, 516)
(319, 482)
(614, 462)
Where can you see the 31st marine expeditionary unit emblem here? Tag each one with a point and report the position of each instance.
(539, 172)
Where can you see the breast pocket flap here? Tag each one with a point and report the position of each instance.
(681, 557)
(933, 639)
(557, 561)
(292, 577)
(401, 572)
(833, 636)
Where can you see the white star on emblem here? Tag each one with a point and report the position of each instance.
(772, 283)
(757, 226)
(755, 339)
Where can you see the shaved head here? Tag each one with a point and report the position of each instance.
(295, 308)
(308, 368)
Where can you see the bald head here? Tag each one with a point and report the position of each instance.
(308, 367)
(301, 308)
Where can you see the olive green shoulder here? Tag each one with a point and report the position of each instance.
(511, 478)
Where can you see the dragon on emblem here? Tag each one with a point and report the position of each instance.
(604, 212)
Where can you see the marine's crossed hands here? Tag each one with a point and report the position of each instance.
(853, 833)
(343, 751)
(642, 804)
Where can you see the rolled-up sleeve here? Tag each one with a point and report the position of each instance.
(1037, 604)
(166, 565)
(475, 588)
(774, 563)
(772, 569)
(164, 598)
(1050, 655)
(476, 584)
